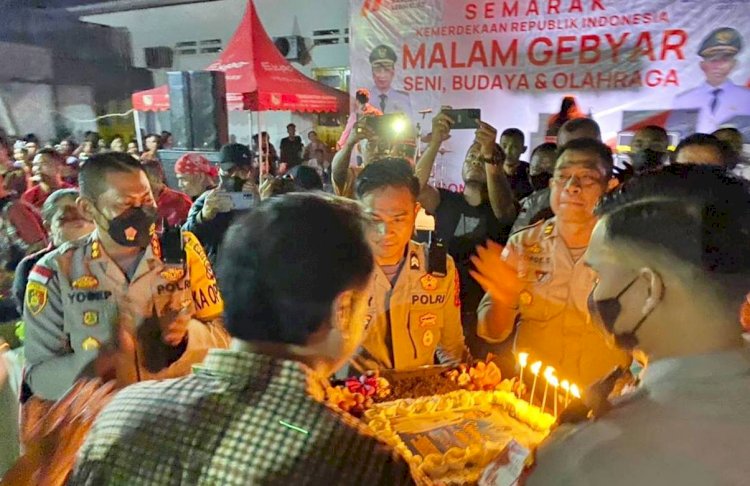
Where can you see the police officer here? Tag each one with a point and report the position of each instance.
(83, 296)
(718, 98)
(540, 279)
(670, 253)
(415, 310)
(383, 96)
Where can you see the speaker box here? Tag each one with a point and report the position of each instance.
(158, 57)
(179, 109)
(208, 104)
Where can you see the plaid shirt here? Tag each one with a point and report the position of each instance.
(241, 419)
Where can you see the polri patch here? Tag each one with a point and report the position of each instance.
(429, 282)
(36, 297)
(90, 318)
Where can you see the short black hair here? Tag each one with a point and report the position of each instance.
(655, 129)
(283, 264)
(578, 124)
(91, 176)
(544, 147)
(726, 152)
(362, 95)
(52, 153)
(514, 132)
(697, 214)
(49, 208)
(306, 178)
(291, 125)
(601, 150)
(154, 168)
(31, 138)
(387, 172)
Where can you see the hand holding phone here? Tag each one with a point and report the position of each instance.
(464, 118)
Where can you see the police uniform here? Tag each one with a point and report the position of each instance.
(686, 425)
(717, 104)
(77, 296)
(409, 321)
(554, 324)
(393, 100)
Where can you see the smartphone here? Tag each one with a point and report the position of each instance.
(391, 126)
(464, 118)
(172, 246)
(241, 200)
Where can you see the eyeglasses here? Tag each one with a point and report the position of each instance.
(585, 181)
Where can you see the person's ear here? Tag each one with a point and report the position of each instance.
(86, 208)
(417, 208)
(612, 184)
(655, 289)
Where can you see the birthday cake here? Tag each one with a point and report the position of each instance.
(453, 437)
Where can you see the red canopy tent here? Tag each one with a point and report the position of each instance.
(258, 77)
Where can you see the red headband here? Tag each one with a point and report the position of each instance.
(193, 163)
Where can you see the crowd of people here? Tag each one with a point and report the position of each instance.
(144, 365)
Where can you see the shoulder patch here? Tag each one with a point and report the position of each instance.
(526, 228)
(36, 297)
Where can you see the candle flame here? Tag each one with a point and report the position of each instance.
(549, 372)
(523, 359)
(536, 367)
(565, 385)
(575, 391)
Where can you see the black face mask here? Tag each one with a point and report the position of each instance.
(606, 312)
(134, 227)
(540, 181)
(647, 160)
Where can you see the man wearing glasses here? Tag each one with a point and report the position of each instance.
(539, 280)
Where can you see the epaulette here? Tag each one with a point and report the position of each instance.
(525, 228)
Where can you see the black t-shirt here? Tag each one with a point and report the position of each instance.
(519, 182)
(462, 227)
(291, 151)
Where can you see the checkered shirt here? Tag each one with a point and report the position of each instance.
(241, 419)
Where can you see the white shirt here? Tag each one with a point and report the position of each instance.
(733, 100)
(688, 424)
(395, 101)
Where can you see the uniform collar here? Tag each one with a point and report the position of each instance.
(99, 255)
(725, 86)
(704, 367)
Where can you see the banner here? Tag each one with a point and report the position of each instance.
(681, 64)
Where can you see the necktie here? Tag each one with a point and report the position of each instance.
(383, 99)
(715, 100)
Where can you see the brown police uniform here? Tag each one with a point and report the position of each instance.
(411, 320)
(554, 324)
(77, 296)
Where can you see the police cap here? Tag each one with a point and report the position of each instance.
(383, 53)
(725, 40)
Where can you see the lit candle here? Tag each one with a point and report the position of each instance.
(565, 385)
(535, 371)
(575, 391)
(523, 360)
(555, 383)
(548, 374)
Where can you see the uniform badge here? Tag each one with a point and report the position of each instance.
(541, 276)
(428, 320)
(90, 318)
(36, 297)
(548, 229)
(535, 249)
(130, 233)
(173, 274)
(96, 250)
(85, 282)
(428, 338)
(368, 320)
(414, 261)
(526, 298)
(429, 282)
(90, 344)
